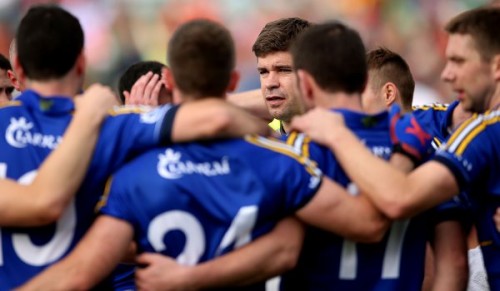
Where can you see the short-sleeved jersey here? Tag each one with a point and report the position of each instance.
(31, 127)
(330, 262)
(197, 201)
(472, 154)
(436, 119)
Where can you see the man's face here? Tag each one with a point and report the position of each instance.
(277, 83)
(468, 74)
(6, 87)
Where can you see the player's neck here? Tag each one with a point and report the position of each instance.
(339, 100)
(59, 87)
(495, 100)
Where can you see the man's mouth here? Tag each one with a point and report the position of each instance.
(275, 101)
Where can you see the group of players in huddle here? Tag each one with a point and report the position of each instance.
(188, 194)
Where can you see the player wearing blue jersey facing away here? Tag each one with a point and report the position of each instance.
(468, 161)
(51, 63)
(44, 200)
(201, 200)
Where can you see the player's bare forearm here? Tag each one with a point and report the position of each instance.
(214, 118)
(450, 253)
(253, 102)
(268, 256)
(90, 261)
(45, 199)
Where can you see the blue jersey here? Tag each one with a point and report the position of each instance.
(32, 127)
(197, 201)
(437, 120)
(330, 262)
(472, 154)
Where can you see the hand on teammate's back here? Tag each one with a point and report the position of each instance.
(160, 272)
(408, 137)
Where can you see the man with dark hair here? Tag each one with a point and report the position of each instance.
(274, 64)
(132, 75)
(389, 81)
(220, 195)
(469, 159)
(50, 58)
(6, 87)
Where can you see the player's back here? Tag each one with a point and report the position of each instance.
(33, 126)
(330, 262)
(436, 119)
(197, 201)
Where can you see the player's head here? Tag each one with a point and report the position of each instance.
(201, 56)
(49, 44)
(330, 57)
(473, 57)
(389, 81)
(137, 70)
(274, 63)
(6, 86)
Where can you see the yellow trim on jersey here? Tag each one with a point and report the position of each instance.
(470, 136)
(457, 132)
(305, 146)
(280, 147)
(104, 198)
(128, 109)
(434, 106)
(437, 141)
(486, 243)
(291, 138)
(11, 103)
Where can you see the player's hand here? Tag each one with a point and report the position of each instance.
(95, 102)
(408, 137)
(319, 124)
(161, 273)
(145, 91)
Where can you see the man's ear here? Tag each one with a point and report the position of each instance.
(390, 93)
(305, 86)
(496, 67)
(169, 78)
(81, 64)
(233, 81)
(20, 74)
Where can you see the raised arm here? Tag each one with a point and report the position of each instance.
(395, 193)
(214, 118)
(60, 175)
(253, 102)
(268, 256)
(95, 256)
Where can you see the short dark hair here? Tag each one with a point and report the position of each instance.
(134, 72)
(334, 55)
(385, 66)
(4, 63)
(201, 56)
(278, 35)
(49, 40)
(482, 25)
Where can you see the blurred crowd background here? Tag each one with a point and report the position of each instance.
(121, 32)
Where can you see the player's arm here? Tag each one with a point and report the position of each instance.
(268, 256)
(95, 256)
(450, 257)
(354, 217)
(214, 118)
(252, 101)
(397, 194)
(45, 199)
